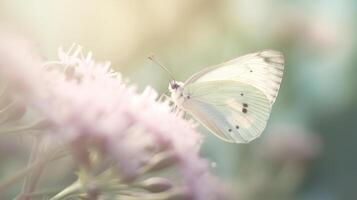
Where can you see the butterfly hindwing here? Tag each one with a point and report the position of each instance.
(263, 70)
(232, 110)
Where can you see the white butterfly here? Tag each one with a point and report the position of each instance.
(234, 99)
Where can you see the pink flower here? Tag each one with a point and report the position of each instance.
(87, 101)
(287, 143)
(89, 106)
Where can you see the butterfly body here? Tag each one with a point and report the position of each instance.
(233, 100)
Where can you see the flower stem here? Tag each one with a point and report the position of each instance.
(42, 193)
(5, 185)
(23, 129)
(20, 175)
(33, 177)
(70, 190)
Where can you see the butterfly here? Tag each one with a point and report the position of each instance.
(234, 99)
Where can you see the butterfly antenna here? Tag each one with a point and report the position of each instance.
(153, 59)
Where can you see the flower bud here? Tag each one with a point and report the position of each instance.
(160, 161)
(156, 184)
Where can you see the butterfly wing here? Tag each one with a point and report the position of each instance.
(263, 70)
(232, 110)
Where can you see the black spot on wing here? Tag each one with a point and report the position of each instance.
(272, 57)
(273, 60)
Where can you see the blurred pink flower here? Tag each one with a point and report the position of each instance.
(19, 65)
(20, 68)
(292, 144)
(88, 101)
(89, 106)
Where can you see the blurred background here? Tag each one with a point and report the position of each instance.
(307, 151)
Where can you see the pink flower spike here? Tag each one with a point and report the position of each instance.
(89, 105)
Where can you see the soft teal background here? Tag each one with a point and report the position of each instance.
(317, 102)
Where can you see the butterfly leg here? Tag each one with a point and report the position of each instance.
(163, 97)
(175, 110)
(178, 112)
(185, 115)
(171, 102)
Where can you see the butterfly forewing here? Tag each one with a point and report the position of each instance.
(263, 70)
(232, 110)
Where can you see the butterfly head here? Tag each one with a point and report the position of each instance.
(175, 86)
(176, 89)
